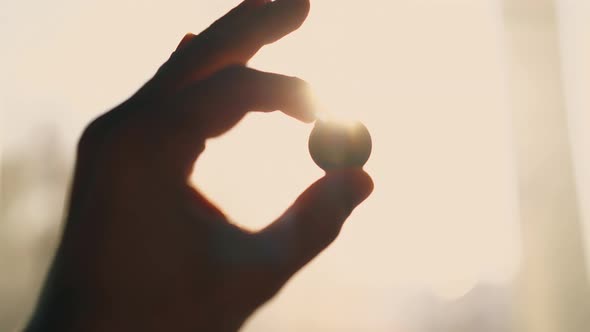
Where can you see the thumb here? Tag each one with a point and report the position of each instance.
(314, 221)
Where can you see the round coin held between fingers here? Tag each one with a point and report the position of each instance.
(336, 145)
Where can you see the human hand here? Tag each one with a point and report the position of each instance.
(144, 251)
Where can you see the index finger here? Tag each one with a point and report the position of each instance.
(233, 39)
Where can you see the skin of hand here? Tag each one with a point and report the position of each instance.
(141, 249)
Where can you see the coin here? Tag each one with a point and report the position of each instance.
(336, 145)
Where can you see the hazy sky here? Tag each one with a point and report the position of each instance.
(426, 77)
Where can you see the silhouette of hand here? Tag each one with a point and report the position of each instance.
(142, 250)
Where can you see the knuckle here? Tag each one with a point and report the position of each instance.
(93, 134)
(188, 37)
(97, 133)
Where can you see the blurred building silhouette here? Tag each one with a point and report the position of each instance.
(553, 286)
(32, 190)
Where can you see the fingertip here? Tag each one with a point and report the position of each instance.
(301, 9)
(337, 194)
(288, 14)
(355, 183)
(298, 9)
(303, 107)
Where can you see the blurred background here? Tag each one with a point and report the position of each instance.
(480, 220)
